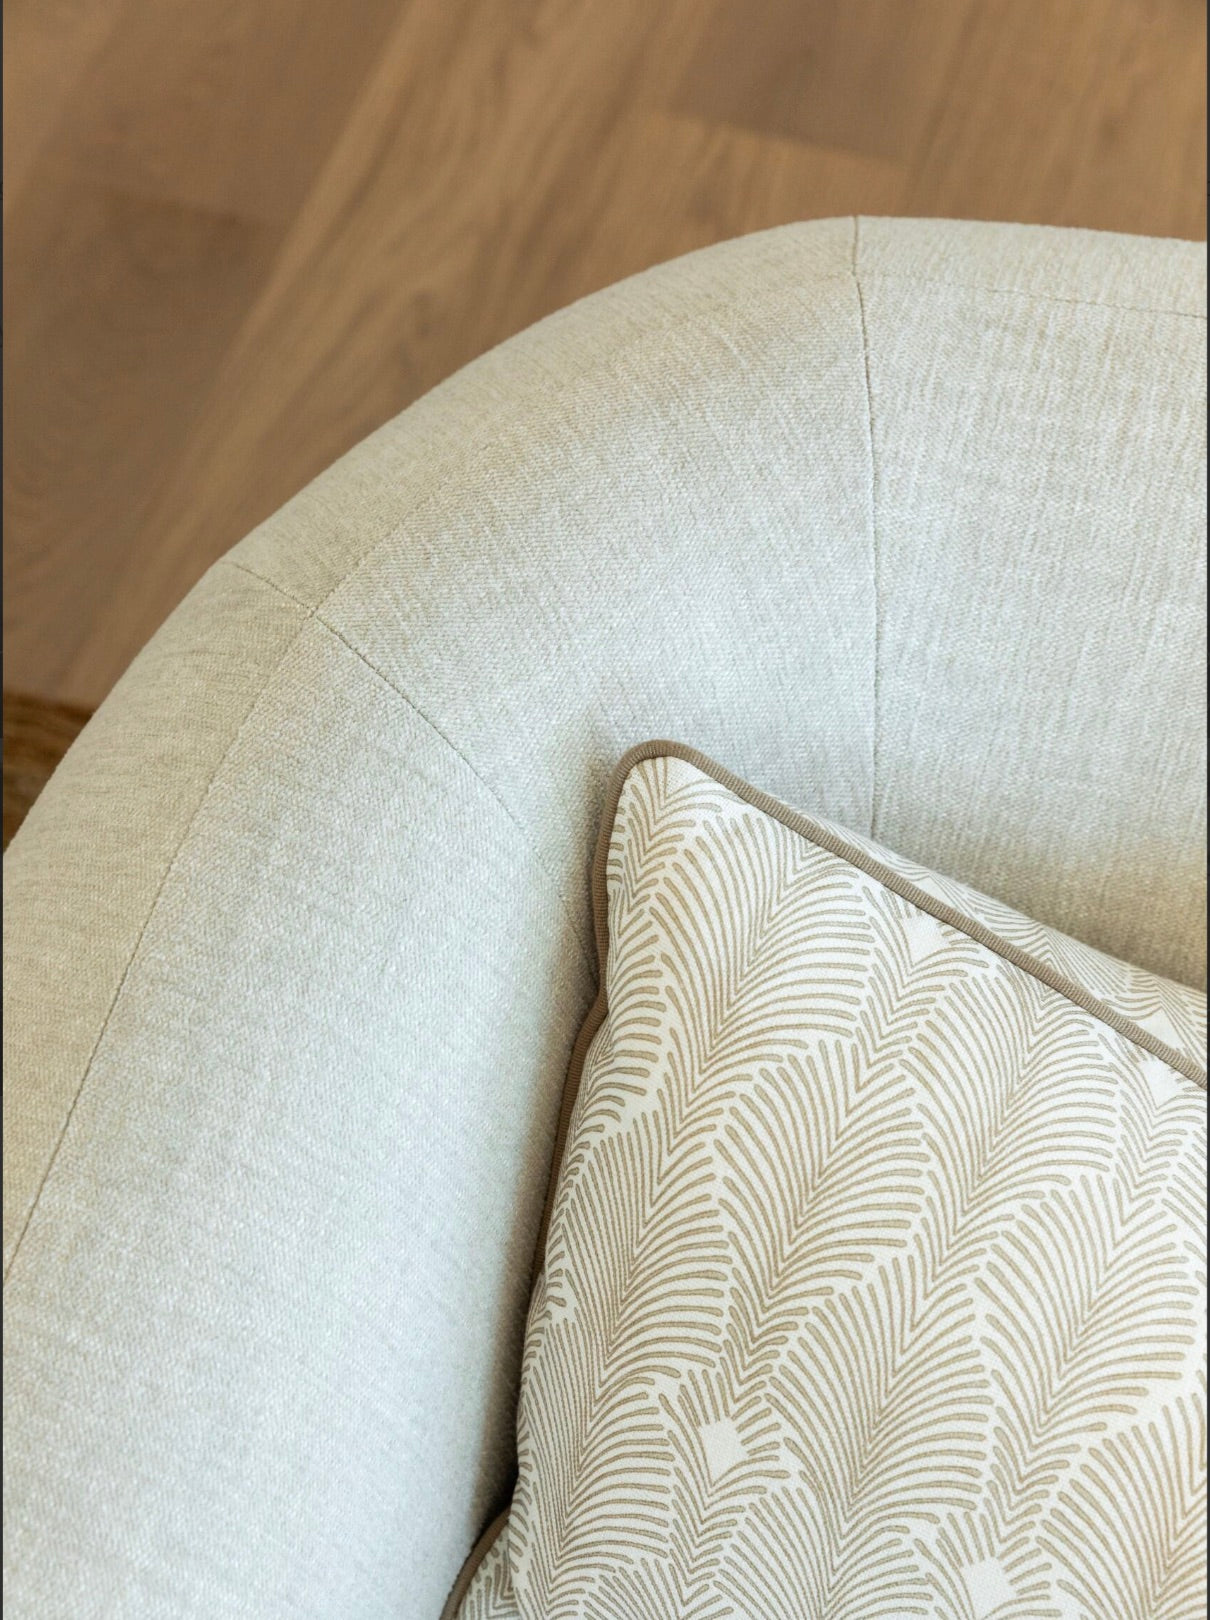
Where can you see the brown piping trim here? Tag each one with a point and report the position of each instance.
(596, 1013)
(907, 890)
(826, 839)
(469, 1569)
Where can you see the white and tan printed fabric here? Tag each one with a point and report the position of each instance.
(874, 1275)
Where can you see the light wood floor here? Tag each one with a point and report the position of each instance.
(242, 233)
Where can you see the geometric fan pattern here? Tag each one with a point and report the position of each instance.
(874, 1280)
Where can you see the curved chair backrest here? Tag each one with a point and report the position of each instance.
(902, 521)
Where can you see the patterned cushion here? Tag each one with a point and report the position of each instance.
(874, 1268)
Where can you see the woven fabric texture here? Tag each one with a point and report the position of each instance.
(903, 520)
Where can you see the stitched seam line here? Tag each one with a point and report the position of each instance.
(672, 324)
(525, 832)
(311, 614)
(499, 426)
(875, 550)
(1032, 292)
(130, 960)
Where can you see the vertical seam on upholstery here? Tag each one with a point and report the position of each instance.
(311, 615)
(875, 556)
(146, 923)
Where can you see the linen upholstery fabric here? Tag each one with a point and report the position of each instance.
(874, 1282)
(298, 938)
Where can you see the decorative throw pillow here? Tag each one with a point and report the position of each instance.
(873, 1271)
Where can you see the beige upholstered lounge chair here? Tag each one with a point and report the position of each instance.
(903, 521)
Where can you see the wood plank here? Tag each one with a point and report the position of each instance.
(1073, 112)
(861, 76)
(149, 221)
(243, 237)
(670, 184)
(434, 232)
(36, 736)
(219, 105)
(108, 360)
(48, 46)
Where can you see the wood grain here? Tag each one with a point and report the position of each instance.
(36, 736)
(240, 237)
